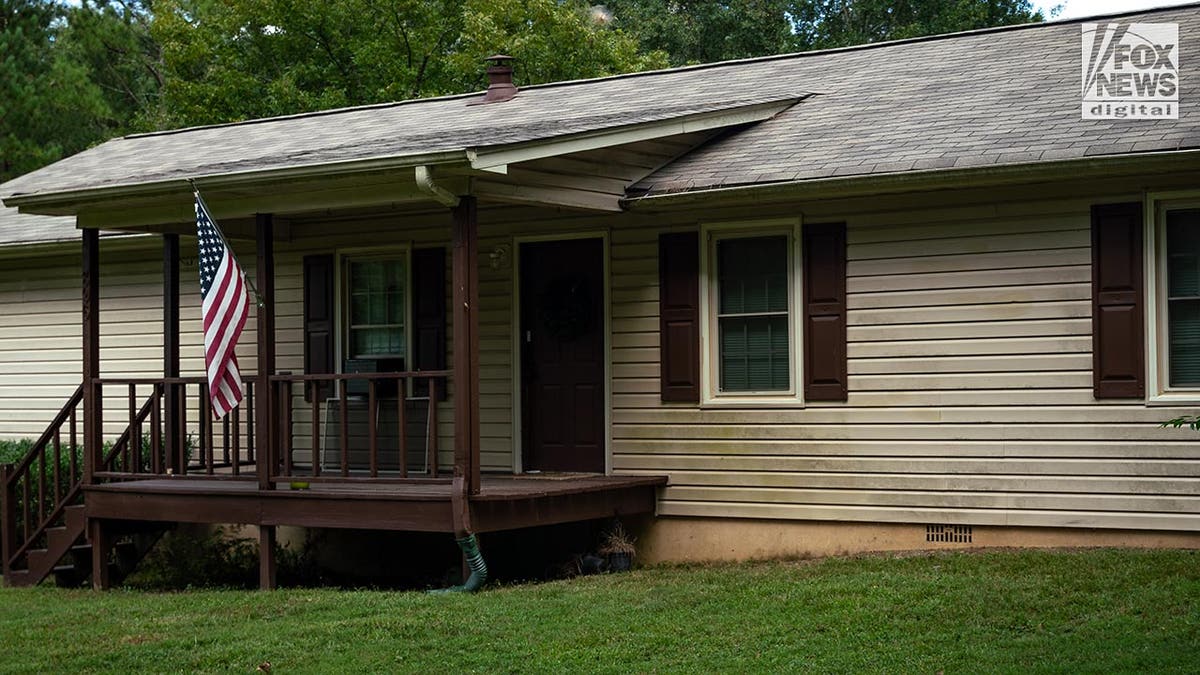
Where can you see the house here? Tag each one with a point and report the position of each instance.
(859, 299)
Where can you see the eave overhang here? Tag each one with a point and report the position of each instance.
(369, 181)
(837, 187)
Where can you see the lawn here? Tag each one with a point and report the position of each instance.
(1094, 611)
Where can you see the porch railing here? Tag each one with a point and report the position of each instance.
(170, 430)
(35, 492)
(380, 427)
(353, 427)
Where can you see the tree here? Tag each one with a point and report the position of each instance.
(823, 24)
(48, 105)
(238, 59)
(111, 40)
(702, 31)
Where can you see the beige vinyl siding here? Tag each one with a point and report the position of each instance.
(41, 335)
(969, 357)
(39, 341)
(970, 382)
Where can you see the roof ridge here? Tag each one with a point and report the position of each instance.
(303, 115)
(679, 69)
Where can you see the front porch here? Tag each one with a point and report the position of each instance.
(354, 449)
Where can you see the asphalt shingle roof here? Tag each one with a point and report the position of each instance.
(1008, 96)
(1003, 96)
(22, 228)
(418, 127)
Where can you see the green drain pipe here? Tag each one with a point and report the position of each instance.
(479, 572)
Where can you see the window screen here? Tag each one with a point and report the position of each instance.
(1183, 297)
(752, 314)
(376, 290)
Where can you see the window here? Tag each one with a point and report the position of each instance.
(750, 306)
(1173, 298)
(752, 314)
(1181, 300)
(376, 303)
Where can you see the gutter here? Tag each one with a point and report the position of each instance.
(932, 179)
(111, 241)
(66, 199)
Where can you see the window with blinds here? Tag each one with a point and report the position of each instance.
(753, 314)
(375, 294)
(1182, 252)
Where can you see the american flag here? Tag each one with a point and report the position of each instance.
(225, 306)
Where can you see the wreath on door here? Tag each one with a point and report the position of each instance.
(566, 308)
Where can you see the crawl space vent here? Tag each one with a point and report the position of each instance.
(948, 534)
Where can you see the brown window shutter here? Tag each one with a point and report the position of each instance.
(1118, 332)
(825, 312)
(318, 316)
(679, 316)
(429, 315)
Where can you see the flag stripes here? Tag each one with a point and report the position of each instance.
(225, 306)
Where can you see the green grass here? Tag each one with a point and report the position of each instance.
(1092, 611)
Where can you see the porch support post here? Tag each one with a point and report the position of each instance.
(92, 425)
(264, 419)
(8, 526)
(101, 541)
(171, 350)
(466, 351)
(266, 557)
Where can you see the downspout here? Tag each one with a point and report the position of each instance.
(466, 541)
(424, 176)
(479, 571)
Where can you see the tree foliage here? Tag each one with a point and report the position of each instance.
(74, 74)
(702, 31)
(235, 59)
(48, 105)
(823, 24)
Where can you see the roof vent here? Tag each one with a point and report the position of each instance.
(500, 86)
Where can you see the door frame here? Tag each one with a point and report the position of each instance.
(518, 435)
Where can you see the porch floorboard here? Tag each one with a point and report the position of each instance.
(504, 502)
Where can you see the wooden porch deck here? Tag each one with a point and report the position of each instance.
(503, 503)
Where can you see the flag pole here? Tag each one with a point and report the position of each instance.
(258, 300)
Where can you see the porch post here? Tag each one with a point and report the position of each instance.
(93, 427)
(264, 420)
(100, 538)
(171, 349)
(466, 346)
(92, 403)
(266, 558)
(8, 527)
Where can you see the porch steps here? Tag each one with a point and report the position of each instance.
(40, 563)
(76, 568)
(68, 554)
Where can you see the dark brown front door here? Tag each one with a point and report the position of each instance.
(562, 355)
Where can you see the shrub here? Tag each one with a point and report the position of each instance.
(12, 452)
(194, 557)
(1191, 421)
(191, 557)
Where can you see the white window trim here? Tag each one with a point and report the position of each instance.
(710, 233)
(341, 306)
(1154, 241)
